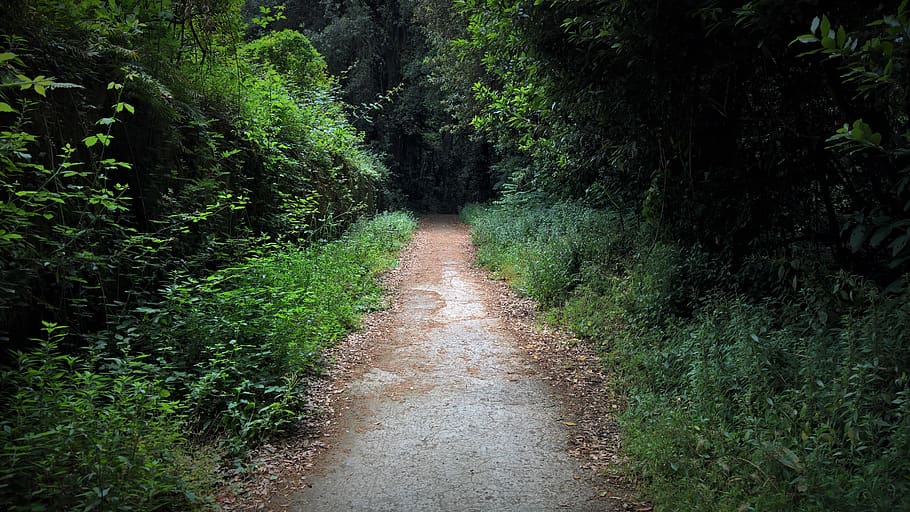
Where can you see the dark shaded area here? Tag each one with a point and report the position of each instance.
(706, 117)
(379, 53)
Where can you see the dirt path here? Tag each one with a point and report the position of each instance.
(451, 410)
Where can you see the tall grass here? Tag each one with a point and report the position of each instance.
(738, 399)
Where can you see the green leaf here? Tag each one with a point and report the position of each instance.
(857, 237)
(841, 36)
(5, 107)
(90, 141)
(26, 82)
(788, 458)
(879, 235)
(825, 27)
(898, 244)
(815, 22)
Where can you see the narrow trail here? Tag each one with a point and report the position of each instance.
(451, 413)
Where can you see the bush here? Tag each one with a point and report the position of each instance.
(814, 417)
(227, 355)
(91, 434)
(544, 249)
(246, 337)
(797, 401)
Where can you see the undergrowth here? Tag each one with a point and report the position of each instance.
(737, 400)
(244, 339)
(174, 193)
(226, 356)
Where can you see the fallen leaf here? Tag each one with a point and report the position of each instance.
(569, 423)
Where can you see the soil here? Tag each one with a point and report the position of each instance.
(452, 399)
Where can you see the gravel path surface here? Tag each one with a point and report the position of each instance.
(450, 400)
(450, 416)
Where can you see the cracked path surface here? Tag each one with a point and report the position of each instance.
(450, 415)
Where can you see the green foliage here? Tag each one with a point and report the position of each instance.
(733, 404)
(171, 193)
(378, 52)
(91, 433)
(871, 62)
(545, 248)
(707, 118)
(290, 54)
(154, 162)
(67, 216)
(245, 338)
(227, 355)
(736, 399)
(755, 305)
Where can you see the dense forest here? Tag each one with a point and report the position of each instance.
(715, 194)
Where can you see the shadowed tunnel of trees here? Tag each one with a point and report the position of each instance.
(715, 194)
(380, 51)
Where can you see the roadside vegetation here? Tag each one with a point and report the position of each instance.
(798, 402)
(715, 195)
(223, 359)
(188, 220)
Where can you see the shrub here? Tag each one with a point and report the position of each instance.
(544, 249)
(246, 337)
(796, 401)
(89, 433)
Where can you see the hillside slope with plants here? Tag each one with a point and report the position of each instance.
(187, 220)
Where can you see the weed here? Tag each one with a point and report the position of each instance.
(246, 338)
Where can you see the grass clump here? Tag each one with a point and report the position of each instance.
(738, 398)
